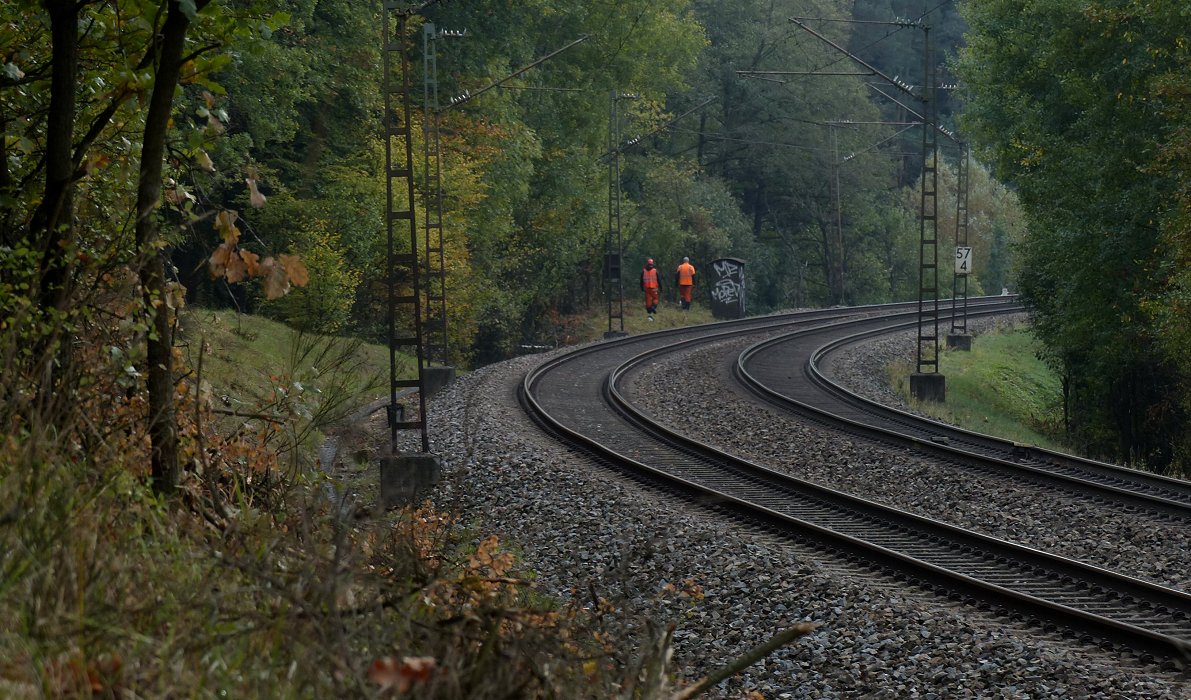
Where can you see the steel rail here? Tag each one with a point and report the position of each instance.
(763, 368)
(1177, 492)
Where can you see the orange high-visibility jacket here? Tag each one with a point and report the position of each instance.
(649, 279)
(686, 274)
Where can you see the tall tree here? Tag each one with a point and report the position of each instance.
(772, 136)
(170, 44)
(1061, 99)
(52, 225)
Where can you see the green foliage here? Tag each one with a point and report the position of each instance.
(678, 213)
(324, 305)
(498, 324)
(242, 355)
(1065, 103)
(533, 236)
(770, 141)
(999, 388)
(884, 266)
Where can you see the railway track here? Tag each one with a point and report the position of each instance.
(792, 372)
(576, 397)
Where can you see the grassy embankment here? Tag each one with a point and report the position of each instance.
(243, 358)
(1000, 388)
(249, 581)
(246, 359)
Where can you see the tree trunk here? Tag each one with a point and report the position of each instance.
(53, 220)
(8, 234)
(163, 432)
(758, 211)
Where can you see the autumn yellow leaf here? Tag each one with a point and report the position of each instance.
(95, 162)
(205, 162)
(225, 223)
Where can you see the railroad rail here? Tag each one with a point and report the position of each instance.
(576, 397)
(770, 370)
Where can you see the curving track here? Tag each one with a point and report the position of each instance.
(576, 396)
(792, 371)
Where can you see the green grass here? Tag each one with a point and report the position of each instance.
(998, 388)
(669, 315)
(245, 359)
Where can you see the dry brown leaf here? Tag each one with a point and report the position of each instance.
(402, 675)
(225, 223)
(217, 264)
(178, 195)
(236, 269)
(255, 198)
(274, 279)
(95, 162)
(175, 295)
(251, 262)
(295, 269)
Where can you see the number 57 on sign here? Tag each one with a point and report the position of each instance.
(963, 260)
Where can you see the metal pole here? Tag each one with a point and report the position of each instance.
(619, 236)
(390, 283)
(397, 127)
(435, 244)
(837, 264)
(610, 266)
(928, 275)
(614, 258)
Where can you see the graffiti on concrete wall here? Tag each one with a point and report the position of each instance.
(727, 288)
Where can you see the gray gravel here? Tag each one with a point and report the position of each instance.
(1142, 545)
(581, 526)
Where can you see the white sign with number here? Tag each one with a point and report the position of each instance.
(963, 260)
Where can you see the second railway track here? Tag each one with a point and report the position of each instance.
(793, 371)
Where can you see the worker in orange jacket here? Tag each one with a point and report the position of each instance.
(684, 279)
(651, 284)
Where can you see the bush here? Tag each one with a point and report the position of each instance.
(324, 305)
